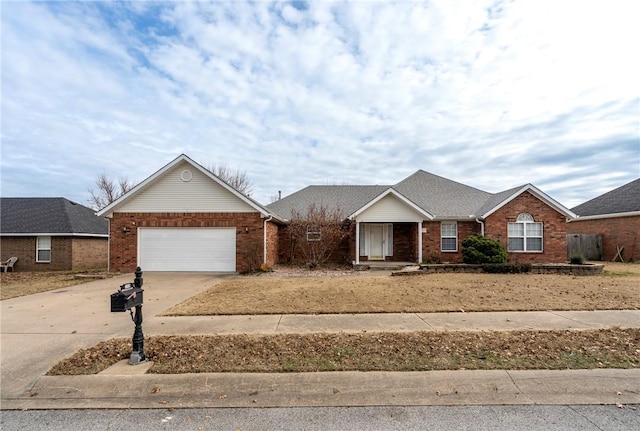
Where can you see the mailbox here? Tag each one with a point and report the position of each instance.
(126, 298)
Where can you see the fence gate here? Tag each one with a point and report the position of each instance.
(587, 245)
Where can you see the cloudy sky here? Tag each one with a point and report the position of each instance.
(493, 94)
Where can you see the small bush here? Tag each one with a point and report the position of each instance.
(577, 260)
(433, 258)
(477, 249)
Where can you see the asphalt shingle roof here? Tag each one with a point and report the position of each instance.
(441, 197)
(347, 199)
(49, 216)
(624, 199)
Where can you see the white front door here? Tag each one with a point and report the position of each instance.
(376, 242)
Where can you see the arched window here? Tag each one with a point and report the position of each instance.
(525, 234)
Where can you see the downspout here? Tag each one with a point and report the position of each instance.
(264, 240)
(481, 226)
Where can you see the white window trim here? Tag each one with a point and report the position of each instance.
(38, 249)
(313, 234)
(448, 223)
(526, 219)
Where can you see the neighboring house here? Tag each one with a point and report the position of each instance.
(185, 218)
(616, 216)
(426, 217)
(52, 234)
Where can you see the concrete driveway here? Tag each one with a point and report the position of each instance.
(39, 330)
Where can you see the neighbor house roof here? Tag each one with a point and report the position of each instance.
(49, 216)
(437, 196)
(624, 199)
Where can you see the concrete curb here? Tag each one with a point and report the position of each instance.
(430, 388)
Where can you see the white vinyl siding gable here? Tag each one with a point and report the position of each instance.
(389, 209)
(199, 193)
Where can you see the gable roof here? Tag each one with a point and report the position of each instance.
(49, 216)
(347, 199)
(442, 197)
(624, 199)
(111, 208)
(433, 195)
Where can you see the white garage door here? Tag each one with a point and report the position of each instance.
(187, 249)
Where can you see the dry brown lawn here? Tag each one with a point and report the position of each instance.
(14, 284)
(617, 288)
(414, 351)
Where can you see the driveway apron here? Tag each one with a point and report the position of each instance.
(39, 330)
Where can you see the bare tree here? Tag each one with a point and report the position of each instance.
(317, 233)
(108, 190)
(237, 179)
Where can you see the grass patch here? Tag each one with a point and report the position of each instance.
(405, 351)
(21, 283)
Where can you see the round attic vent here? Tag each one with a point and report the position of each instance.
(186, 175)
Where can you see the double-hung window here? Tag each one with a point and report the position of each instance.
(525, 234)
(43, 249)
(313, 234)
(449, 236)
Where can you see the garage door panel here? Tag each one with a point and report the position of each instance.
(187, 249)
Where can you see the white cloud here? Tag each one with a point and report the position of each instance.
(493, 94)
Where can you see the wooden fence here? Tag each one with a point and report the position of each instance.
(588, 246)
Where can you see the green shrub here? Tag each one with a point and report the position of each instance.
(477, 249)
(577, 259)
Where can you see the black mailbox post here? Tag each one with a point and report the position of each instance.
(128, 297)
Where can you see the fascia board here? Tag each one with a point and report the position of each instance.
(540, 195)
(396, 194)
(603, 216)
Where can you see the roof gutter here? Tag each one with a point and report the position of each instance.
(601, 216)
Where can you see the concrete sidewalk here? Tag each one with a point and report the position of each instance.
(39, 330)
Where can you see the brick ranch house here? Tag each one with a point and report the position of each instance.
(184, 218)
(52, 234)
(615, 216)
(426, 217)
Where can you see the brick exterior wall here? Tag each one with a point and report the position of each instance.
(431, 248)
(67, 253)
(272, 244)
(554, 241)
(89, 253)
(124, 245)
(615, 231)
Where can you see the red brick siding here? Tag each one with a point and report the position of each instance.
(67, 253)
(124, 245)
(431, 240)
(554, 242)
(615, 231)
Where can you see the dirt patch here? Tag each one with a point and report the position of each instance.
(14, 284)
(295, 291)
(416, 351)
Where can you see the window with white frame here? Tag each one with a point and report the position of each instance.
(313, 233)
(525, 234)
(43, 249)
(449, 236)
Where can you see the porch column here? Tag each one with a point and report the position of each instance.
(357, 242)
(420, 242)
